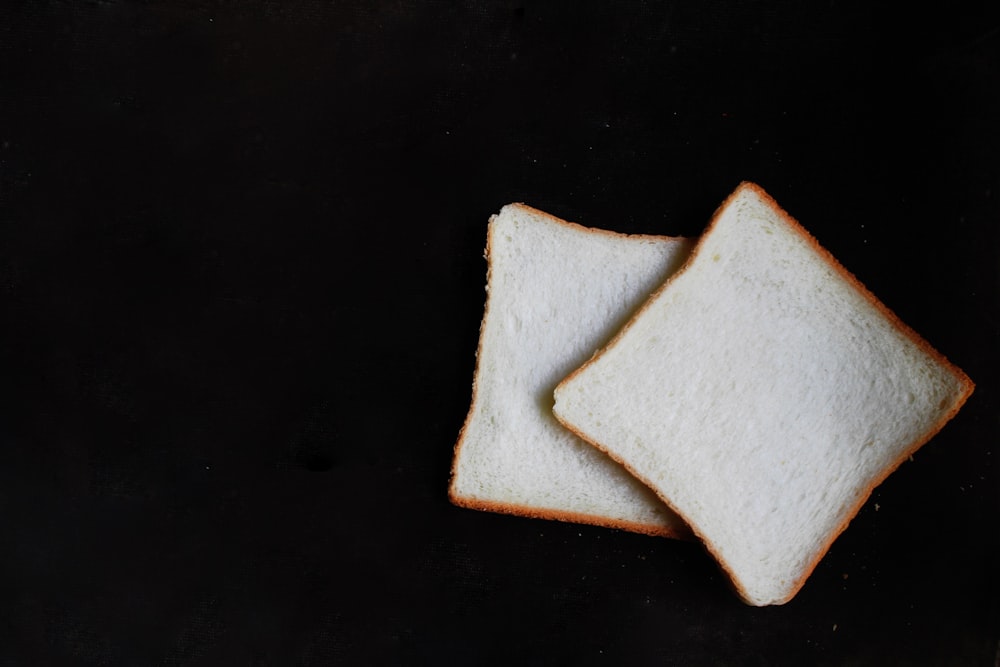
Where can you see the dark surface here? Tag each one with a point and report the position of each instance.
(241, 279)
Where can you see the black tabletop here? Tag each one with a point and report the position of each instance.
(241, 282)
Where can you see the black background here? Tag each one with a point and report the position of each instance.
(241, 280)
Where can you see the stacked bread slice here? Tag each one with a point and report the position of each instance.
(760, 392)
(556, 292)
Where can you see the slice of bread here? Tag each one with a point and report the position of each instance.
(763, 393)
(556, 292)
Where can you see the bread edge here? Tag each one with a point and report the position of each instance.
(964, 380)
(523, 511)
(656, 530)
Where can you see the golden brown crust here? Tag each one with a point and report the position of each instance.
(652, 529)
(967, 385)
(531, 512)
(475, 374)
(593, 230)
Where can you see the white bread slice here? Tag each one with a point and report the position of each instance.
(557, 291)
(763, 393)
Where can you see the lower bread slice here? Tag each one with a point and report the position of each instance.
(556, 292)
(762, 393)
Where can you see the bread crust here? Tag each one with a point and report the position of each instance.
(653, 530)
(521, 510)
(967, 386)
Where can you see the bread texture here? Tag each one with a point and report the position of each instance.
(762, 393)
(556, 292)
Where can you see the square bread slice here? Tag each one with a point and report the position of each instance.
(763, 393)
(557, 291)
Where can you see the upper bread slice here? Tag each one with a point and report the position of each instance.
(763, 393)
(556, 293)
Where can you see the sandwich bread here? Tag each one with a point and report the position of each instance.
(556, 291)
